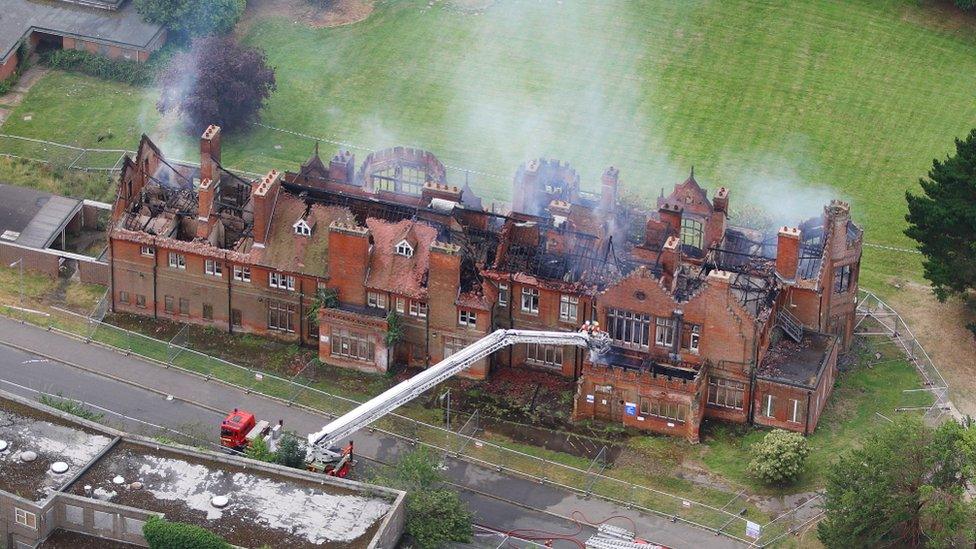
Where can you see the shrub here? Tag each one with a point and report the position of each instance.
(258, 450)
(119, 70)
(163, 534)
(192, 17)
(291, 451)
(779, 457)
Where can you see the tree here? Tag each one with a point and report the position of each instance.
(904, 487)
(187, 18)
(394, 333)
(435, 515)
(217, 81)
(163, 534)
(291, 451)
(325, 298)
(779, 458)
(966, 4)
(258, 450)
(943, 221)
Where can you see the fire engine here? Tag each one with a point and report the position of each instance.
(240, 428)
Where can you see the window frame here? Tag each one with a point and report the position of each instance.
(352, 345)
(503, 294)
(548, 356)
(843, 278)
(467, 317)
(169, 305)
(568, 304)
(401, 304)
(692, 232)
(177, 260)
(147, 251)
(184, 306)
(25, 518)
(663, 331)
(207, 308)
(403, 248)
(141, 301)
(726, 388)
(212, 267)
(628, 328)
(281, 281)
(279, 311)
(376, 300)
(123, 297)
(769, 407)
(530, 297)
(795, 413)
(242, 273)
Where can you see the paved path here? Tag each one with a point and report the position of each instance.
(500, 501)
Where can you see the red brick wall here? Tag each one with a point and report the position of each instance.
(35, 261)
(348, 261)
(7, 69)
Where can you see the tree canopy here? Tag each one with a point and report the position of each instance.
(435, 514)
(779, 457)
(217, 81)
(905, 487)
(943, 221)
(189, 18)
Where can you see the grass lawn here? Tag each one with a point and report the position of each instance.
(777, 100)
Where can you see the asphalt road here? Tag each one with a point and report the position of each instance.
(501, 502)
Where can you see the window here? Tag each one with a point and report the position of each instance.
(467, 318)
(281, 316)
(691, 232)
(147, 251)
(242, 273)
(452, 345)
(769, 408)
(842, 279)
(281, 281)
(674, 411)
(213, 267)
(568, 308)
(795, 411)
(177, 261)
(207, 311)
(25, 518)
(503, 294)
(691, 337)
(628, 328)
(530, 300)
(401, 304)
(302, 228)
(352, 345)
(725, 393)
(140, 301)
(544, 355)
(418, 309)
(184, 306)
(664, 332)
(124, 297)
(236, 318)
(404, 248)
(169, 304)
(376, 300)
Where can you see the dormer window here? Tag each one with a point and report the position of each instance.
(302, 228)
(404, 248)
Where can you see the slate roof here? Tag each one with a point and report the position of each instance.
(395, 273)
(122, 26)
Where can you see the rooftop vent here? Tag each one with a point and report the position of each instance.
(3, 445)
(119, 479)
(219, 501)
(28, 456)
(59, 467)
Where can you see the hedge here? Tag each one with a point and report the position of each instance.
(120, 70)
(163, 534)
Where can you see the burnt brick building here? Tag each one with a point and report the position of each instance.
(706, 319)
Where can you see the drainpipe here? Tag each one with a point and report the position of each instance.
(806, 426)
(301, 311)
(229, 269)
(677, 317)
(155, 276)
(111, 269)
(511, 317)
(752, 382)
(426, 334)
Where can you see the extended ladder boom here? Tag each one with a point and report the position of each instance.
(394, 397)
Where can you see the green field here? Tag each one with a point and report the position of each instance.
(787, 103)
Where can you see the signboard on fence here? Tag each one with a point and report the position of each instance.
(753, 530)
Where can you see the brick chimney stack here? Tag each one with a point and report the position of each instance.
(838, 214)
(525, 185)
(433, 190)
(342, 167)
(609, 185)
(720, 202)
(205, 198)
(670, 214)
(349, 261)
(443, 283)
(263, 195)
(671, 255)
(787, 252)
(209, 153)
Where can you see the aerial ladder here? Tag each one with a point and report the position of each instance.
(323, 456)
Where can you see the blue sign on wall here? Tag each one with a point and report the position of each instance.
(630, 408)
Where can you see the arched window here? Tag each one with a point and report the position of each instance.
(691, 232)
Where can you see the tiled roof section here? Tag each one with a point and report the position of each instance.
(395, 273)
(287, 251)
